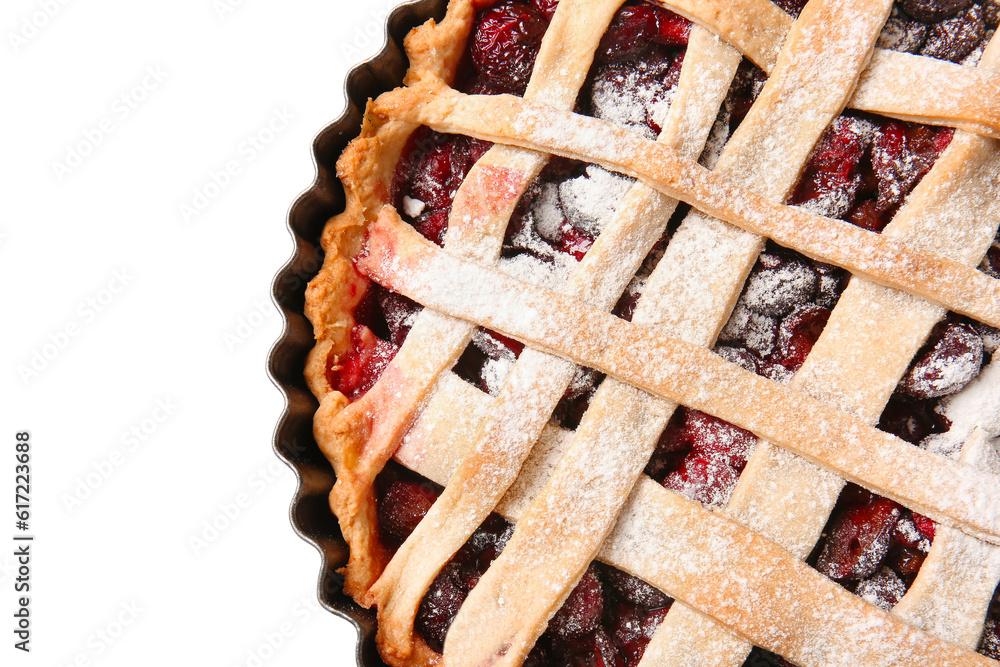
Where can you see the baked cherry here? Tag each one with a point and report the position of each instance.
(776, 292)
(432, 225)
(760, 658)
(437, 164)
(635, 591)
(989, 645)
(706, 479)
(955, 38)
(357, 371)
(883, 589)
(743, 358)
(907, 535)
(633, 628)
(930, 11)
(399, 312)
(906, 561)
(832, 177)
(991, 13)
(633, 28)
(866, 215)
(856, 495)
(484, 545)
(715, 438)
(589, 200)
(991, 263)
(635, 94)
(900, 156)
(575, 242)
(924, 525)
(906, 419)
(546, 8)
(440, 606)
(505, 44)
(435, 181)
(581, 613)
(949, 361)
(858, 540)
(902, 34)
(775, 371)
(832, 281)
(671, 447)
(402, 507)
(754, 331)
(798, 333)
(496, 345)
(793, 7)
(743, 92)
(539, 656)
(597, 649)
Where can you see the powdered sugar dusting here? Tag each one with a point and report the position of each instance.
(590, 199)
(632, 95)
(551, 274)
(978, 405)
(546, 215)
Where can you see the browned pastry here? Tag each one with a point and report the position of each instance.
(656, 332)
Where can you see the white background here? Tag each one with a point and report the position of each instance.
(115, 302)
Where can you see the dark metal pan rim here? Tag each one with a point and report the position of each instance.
(293, 441)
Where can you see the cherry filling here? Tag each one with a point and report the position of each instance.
(864, 167)
(429, 174)
(874, 546)
(861, 171)
(606, 621)
(505, 44)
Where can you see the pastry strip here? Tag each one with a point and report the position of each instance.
(364, 434)
(579, 505)
(879, 258)
(951, 493)
(952, 592)
(760, 591)
(511, 429)
(894, 84)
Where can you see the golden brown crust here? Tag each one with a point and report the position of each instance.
(763, 591)
(677, 546)
(366, 169)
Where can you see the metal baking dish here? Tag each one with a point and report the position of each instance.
(293, 440)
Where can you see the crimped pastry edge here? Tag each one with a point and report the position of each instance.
(366, 170)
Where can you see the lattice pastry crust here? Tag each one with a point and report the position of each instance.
(502, 454)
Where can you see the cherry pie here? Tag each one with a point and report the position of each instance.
(660, 333)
